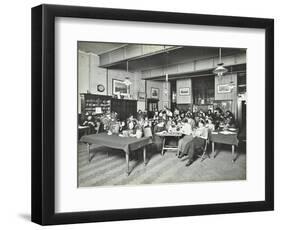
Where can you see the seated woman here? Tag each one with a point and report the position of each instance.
(176, 112)
(210, 113)
(159, 127)
(218, 117)
(191, 121)
(229, 120)
(131, 123)
(209, 124)
(155, 115)
(196, 120)
(200, 136)
(169, 124)
(140, 115)
(90, 121)
(187, 132)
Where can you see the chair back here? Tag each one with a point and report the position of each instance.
(98, 127)
(147, 132)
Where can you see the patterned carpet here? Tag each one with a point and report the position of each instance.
(109, 169)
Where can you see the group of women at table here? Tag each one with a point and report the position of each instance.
(195, 128)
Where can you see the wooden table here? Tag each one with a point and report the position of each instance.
(83, 130)
(229, 138)
(166, 134)
(127, 144)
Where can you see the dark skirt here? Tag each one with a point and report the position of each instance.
(184, 141)
(157, 140)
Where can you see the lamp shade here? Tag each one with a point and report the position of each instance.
(127, 81)
(220, 70)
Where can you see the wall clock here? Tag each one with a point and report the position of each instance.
(100, 88)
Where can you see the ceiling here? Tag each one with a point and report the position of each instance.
(98, 47)
(182, 55)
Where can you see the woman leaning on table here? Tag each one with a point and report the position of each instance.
(187, 137)
(200, 135)
(159, 127)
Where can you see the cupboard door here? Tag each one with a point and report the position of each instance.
(124, 108)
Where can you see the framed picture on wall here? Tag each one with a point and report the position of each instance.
(154, 93)
(224, 88)
(141, 96)
(184, 91)
(74, 182)
(120, 88)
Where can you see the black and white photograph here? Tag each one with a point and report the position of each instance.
(157, 114)
(140, 114)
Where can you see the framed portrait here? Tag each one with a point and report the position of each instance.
(184, 91)
(83, 169)
(224, 88)
(120, 88)
(154, 93)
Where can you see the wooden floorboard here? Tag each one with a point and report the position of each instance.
(109, 169)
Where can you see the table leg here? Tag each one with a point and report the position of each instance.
(163, 146)
(177, 152)
(88, 150)
(232, 152)
(144, 155)
(127, 164)
(213, 149)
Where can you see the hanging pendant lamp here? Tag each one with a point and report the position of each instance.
(231, 83)
(166, 76)
(220, 70)
(127, 80)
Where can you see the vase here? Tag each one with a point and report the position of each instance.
(139, 133)
(109, 133)
(115, 129)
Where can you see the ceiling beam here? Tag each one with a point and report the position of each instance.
(194, 66)
(132, 52)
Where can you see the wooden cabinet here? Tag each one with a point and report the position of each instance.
(94, 104)
(152, 106)
(124, 108)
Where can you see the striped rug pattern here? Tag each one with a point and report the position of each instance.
(107, 169)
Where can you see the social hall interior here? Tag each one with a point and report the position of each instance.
(152, 114)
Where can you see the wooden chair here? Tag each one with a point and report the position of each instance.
(205, 147)
(97, 129)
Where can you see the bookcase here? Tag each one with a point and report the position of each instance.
(95, 104)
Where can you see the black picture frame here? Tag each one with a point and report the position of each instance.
(154, 90)
(43, 114)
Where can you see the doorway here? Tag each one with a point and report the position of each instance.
(152, 106)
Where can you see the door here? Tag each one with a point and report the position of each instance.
(152, 106)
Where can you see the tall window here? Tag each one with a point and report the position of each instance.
(203, 90)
